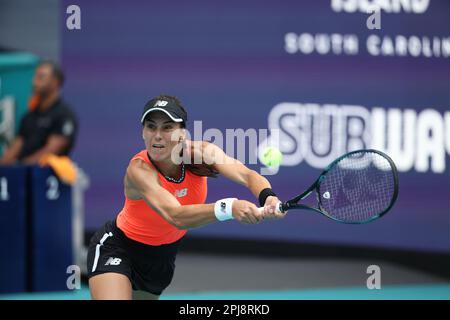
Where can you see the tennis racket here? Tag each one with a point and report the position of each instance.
(358, 187)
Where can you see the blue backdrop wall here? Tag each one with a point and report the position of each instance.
(311, 69)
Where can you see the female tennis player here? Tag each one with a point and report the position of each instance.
(133, 256)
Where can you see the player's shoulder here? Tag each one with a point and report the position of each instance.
(212, 153)
(140, 173)
(199, 149)
(197, 144)
(138, 165)
(204, 146)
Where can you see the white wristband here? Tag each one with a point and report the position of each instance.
(223, 209)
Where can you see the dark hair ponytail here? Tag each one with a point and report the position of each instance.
(203, 170)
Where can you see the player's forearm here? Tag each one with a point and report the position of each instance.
(193, 216)
(256, 183)
(181, 216)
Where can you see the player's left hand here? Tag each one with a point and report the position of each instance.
(271, 209)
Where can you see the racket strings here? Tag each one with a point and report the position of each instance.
(358, 188)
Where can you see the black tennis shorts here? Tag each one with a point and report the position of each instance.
(149, 268)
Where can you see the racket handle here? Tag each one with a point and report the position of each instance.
(279, 207)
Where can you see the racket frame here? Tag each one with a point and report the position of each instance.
(293, 203)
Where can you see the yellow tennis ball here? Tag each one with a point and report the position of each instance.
(271, 157)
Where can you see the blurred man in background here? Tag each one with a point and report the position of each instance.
(50, 126)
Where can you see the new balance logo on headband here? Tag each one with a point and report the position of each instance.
(175, 112)
(161, 103)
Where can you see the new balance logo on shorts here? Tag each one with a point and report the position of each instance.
(113, 262)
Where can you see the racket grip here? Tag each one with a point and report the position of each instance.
(279, 206)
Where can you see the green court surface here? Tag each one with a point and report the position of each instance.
(409, 292)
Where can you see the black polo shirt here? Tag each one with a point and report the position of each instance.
(36, 126)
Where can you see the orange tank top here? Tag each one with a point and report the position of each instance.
(141, 223)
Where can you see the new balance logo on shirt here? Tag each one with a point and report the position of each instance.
(113, 262)
(181, 193)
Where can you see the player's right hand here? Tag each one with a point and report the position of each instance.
(246, 212)
(271, 208)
